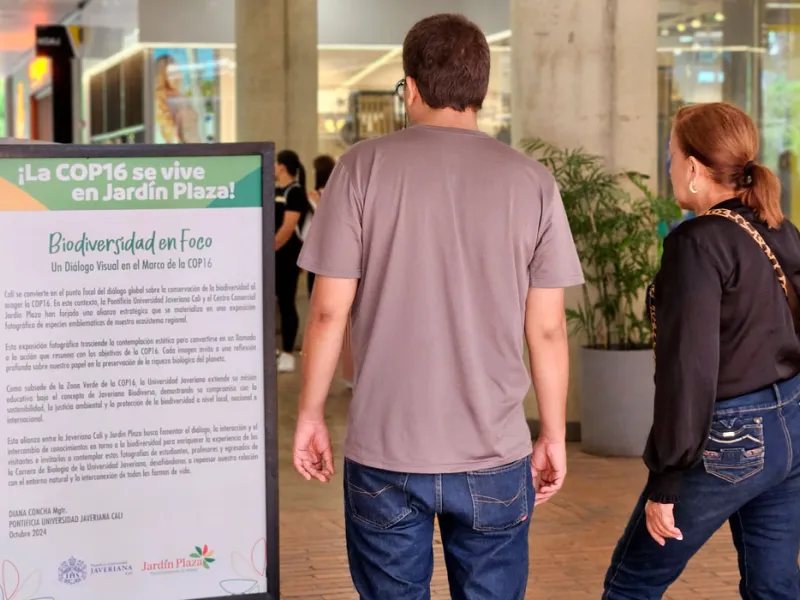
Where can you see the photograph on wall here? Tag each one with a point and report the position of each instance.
(186, 93)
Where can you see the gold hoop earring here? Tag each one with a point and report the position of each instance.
(691, 187)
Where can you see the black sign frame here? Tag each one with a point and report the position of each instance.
(266, 151)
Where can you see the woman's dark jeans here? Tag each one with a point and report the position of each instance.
(750, 477)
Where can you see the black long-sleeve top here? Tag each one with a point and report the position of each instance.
(724, 329)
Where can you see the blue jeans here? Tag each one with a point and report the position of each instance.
(484, 518)
(749, 477)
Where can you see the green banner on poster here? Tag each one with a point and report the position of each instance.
(130, 183)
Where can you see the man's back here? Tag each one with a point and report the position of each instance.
(439, 244)
(446, 229)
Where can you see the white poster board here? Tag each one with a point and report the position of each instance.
(137, 437)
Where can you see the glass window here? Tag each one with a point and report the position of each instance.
(746, 52)
(356, 96)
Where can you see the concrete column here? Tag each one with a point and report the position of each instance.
(276, 74)
(584, 74)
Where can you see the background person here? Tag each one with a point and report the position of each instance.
(725, 443)
(291, 208)
(323, 167)
(441, 292)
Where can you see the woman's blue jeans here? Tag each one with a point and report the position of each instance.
(750, 478)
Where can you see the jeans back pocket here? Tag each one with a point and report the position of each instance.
(735, 448)
(374, 496)
(500, 495)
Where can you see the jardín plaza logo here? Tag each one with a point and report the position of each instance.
(200, 558)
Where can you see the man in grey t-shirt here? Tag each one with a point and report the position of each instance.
(449, 248)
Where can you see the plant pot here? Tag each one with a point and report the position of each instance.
(616, 395)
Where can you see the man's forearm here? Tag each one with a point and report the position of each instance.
(322, 345)
(549, 355)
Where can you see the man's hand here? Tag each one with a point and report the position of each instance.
(549, 467)
(313, 455)
(661, 522)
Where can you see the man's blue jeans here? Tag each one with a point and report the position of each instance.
(750, 477)
(484, 518)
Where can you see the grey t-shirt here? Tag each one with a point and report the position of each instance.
(446, 229)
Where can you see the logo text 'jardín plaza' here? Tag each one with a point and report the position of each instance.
(202, 557)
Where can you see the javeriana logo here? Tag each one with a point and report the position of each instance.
(205, 554)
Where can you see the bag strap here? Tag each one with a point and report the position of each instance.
(788, 289)
(651, 310)
(753, 233)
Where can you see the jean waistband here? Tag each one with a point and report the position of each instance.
(773, 396)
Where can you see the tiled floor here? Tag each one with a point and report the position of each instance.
(571, 540)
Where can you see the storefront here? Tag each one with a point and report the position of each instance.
(147, 81)
(29, 107)
(747, 52)
(346, 73)
(163, 95)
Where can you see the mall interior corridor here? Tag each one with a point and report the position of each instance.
(136, 106)
(571, 539)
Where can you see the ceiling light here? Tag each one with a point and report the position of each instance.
(665, 32)
(697, 23)
(719, 17)
(680, 27)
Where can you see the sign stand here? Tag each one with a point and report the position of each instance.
(139, 426)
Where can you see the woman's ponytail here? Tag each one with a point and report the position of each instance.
(761, 191)
(301, 175)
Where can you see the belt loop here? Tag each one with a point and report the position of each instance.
(777, 390)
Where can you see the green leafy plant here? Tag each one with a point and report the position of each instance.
(615, 220)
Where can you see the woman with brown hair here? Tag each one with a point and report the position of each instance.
(725, 443)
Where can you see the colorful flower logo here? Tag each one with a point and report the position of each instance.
(205, 554)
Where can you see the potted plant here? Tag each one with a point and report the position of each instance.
(615, 221)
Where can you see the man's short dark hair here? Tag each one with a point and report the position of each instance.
(448, 56)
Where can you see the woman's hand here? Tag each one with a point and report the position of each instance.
(661, 522)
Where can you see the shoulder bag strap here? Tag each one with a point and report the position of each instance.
(753, 233)
(651, 310)
(786, 286)
(788, 289)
